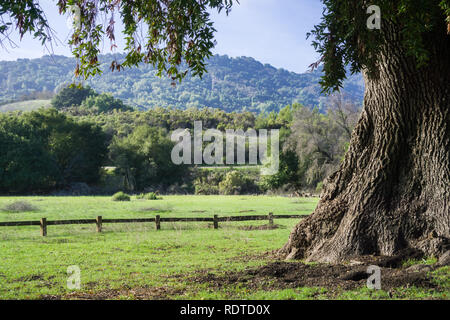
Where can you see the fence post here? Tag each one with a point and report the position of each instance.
(98, 221)
(43, 227)
(270, 219)
(158, 222)
(216, 221)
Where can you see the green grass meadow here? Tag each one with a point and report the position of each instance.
(134, 254)
(129, 257)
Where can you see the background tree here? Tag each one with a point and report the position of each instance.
(43, 150)
(104, 102)
(144, 158)
(71, 96)
(319, 142)
(344, 112)
(288, 175)
(25, 164)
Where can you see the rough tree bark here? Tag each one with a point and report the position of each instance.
(392, 190)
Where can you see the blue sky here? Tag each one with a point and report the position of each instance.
(271, 31)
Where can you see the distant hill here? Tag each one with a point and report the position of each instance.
(231, 84)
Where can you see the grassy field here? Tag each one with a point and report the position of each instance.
(25, 105)
(129, 261)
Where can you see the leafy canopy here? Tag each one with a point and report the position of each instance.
(343, 38)
(45, 149)
(159, 32)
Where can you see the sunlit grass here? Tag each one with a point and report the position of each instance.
(135, 255)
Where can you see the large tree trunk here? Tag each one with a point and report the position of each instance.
(392, 190)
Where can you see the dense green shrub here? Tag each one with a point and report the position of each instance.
(226, 181)
(205, 188)
(236, 182)
(232, 184)
(121, 196)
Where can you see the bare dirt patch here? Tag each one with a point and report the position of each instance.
(267, 256)
(334, 277)
(155, 209)
(277, 275)
(261, 227)
(33, 277)
(141, 293)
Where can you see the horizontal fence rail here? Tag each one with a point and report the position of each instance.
(99, 221)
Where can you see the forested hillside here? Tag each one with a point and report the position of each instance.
(231, 84)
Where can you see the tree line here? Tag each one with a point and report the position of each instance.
(85, 132)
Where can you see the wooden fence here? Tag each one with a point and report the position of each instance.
(99, 221)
